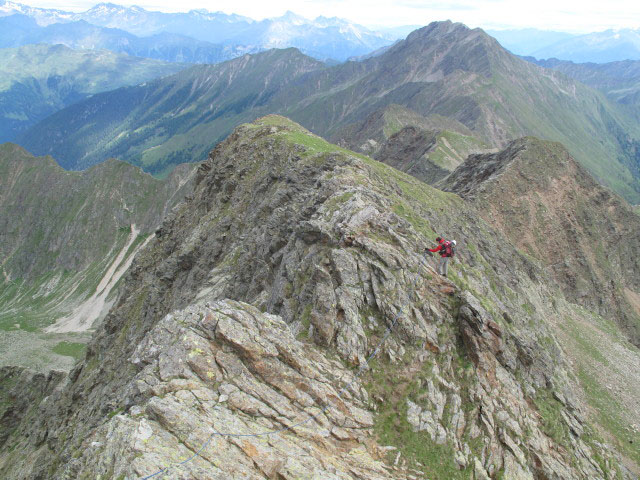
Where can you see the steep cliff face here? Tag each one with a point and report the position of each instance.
(428, 148)
(551, 208)
(65, 240)
(74, 216)
(289, 265)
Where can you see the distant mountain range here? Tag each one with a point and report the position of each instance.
(38, 80)
(323, 38)
(17, 30)
(619, 80)
(493, 94)
(599, 47)
(44, 16)
(596, 47)
(525, 41)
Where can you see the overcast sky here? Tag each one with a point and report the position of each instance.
(576, 16)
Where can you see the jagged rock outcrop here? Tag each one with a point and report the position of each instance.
(550, 207)
(428, 148)
(259, 295)
(234, 369)
(21, 390)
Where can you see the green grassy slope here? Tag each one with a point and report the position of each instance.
(37, 80)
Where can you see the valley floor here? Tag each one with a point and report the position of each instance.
(42, 351)
(51, 331)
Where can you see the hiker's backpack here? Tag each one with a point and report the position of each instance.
(448, 250)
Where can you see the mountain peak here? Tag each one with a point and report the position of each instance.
(293, 17)
(451, 32)
(443, 48)
(108, 8)
(438, 28)
(107, 5)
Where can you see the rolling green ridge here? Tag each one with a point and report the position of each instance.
(38, 80)
(173, 120)
(444, 69)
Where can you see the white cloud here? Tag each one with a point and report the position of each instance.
(565, 15)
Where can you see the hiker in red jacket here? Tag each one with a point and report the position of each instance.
(440, 241)
(447, 250)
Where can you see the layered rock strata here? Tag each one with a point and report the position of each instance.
(258, 300)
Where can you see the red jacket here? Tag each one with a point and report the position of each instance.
(439, 247)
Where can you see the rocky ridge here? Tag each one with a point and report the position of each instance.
(586, 239)
(550, 207)
(428, 148)
(259, 294)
